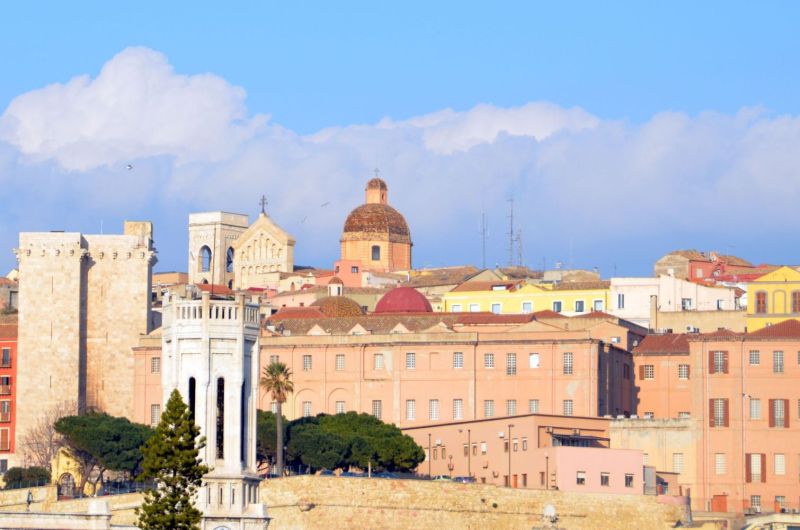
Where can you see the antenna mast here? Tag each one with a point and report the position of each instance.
(484, 233)
(519, 247)
(511, 232)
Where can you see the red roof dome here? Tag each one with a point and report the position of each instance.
(403, 300)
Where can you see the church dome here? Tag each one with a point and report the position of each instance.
(403, 300)
(338, 306)
(369, 220)
(377, 184)
(336, 281)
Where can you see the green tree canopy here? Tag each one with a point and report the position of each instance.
(266, 436)
(172, 458)
(25, 477)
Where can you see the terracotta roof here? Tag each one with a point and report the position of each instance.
(443, 276)
(221, 290)
(338, 306)
(667, 343)
(336, 281)
(579, 286)
(372, 219)
(298, 312)
(377, 184)
(484, 286)
(491, 318)
(596, 314)
(719, 334)
(6, 281)
(8, 331)
(403, 300)
(788, 329)
(546, 313)
(375, 323)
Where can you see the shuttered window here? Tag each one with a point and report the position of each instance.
(718, 413)
(779, 413)
(718, 362)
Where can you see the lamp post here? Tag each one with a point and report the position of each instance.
(469, 451)
(546, 471)
(510, 448)
(429, 456)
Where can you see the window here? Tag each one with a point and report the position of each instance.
(455, 308)
(684, 414)
(557, 306)
(5, 439)
(579, 306)
(597, 305)
(5, 385)
(718, 363)
(458, 409)
(511, 407)
(755, 409)
(511, 364)
(761, 302)
(273, 406)
(649, 415)
(376, 253)
(496, 308)
(411, 361)
(3, 465)
(378, 361)
(604, 478)
(474, 449)
(484, 448)
(524, 444)
(527, 307)
(466, 450)
(533, 406)
(720, 464)
(515, 445)
(155, 365)
(648, 371)
(567, 362)
(755, 467)
(306, 363)
(779, 414)
(229, 260)
(628, 480)
(340, 407)
(686, 304)
(155, 415)
(411, 409)
(474, 308)
(755, 357)
(718, 415)
(677, 462)
(777, 362)
(780, 464)
(488, 408)
(6, 363)
(683, 371)
(780, 500)
(339, 362)
(580, 478)
(755, 502)
(458, 360)
(567, 407)
(354, 270)
(433, 409)
(488, 360)
(306, 409)
(5, 411)
(620, 301)
(377, 408)
(533, 360)
(274, 359)
(205, 259)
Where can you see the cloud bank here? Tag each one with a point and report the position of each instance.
(605, 191)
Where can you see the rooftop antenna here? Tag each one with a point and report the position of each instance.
(263, 202)
(519, 247)
(511, 232)
(484, 232)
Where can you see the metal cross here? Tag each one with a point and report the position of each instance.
(263, 203)
(377, 173)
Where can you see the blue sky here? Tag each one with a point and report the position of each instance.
(622, 131)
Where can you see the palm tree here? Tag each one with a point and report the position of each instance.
(277, 380)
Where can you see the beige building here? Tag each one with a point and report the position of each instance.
(211, 239)
(84, 301)
(260, 252)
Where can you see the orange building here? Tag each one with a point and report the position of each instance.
(376, 236)
(8, 376)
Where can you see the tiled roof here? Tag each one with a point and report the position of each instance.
(338, 306)
(546, 313)
(298, 312)
(6, 281)
(596, 314)
(491, 318)
(221, 290)
(719, 334)
(376, 219)
(580, 286)
(667, 343)
(788, 329)
(443, 276)
(379, 324)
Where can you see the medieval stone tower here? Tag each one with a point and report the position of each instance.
(210, 354)
(211, 238)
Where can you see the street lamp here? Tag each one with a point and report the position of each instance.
(429, 456)
(469, 451)
(510, 426)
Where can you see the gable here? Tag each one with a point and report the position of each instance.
(783, 274)
(263, 227)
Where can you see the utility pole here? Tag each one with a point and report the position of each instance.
(519, 247)
(511, 232)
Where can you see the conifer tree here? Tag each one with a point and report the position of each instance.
(171, 457)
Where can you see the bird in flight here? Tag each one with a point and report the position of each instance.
(129, 167)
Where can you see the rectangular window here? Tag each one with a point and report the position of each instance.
(557, 306)
(511, 407)
(780, 500)
(755, 467)
(777, 362)
(455, 308)
(155, 415)
(411, 361)
(411, 409)
(488, 360)
(340, 407)
(496, 309)
(533, 360)
(567, 363)
(524, 444)
(567, 407)
(780, 464)
(458, 360)
(684, 415)
(377, 408)
(339, 362)
(755, 502)
(484, 448)
(155, 365)
(761, 302)
(605, 479)
(458, 409)
(273, 406)
(5, 439)
(474, 308)
(580, 478)
(515, 445)
(778, 413)
(755, 409)
(683, 371)
(511, 364)
(533, 406)
(686, 304)
(620, 301)
(649, 415)
(488, 408)
(274, 359)
(378, 361)
(579, 306)
(433, 409)
(718, 413)
(527, 307)
(354, 270)
(677, 462)
(6, 363)
(648, 371)
(306, 363)
(720, 464)
(719, 362)
(5, 411)
(5, 385)
(306, 409)
(597, 305)
(755, 357)
(628, 480)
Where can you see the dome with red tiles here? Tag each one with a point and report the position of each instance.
(403, 300)
(338, 306)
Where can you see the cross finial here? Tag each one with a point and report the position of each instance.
(377, 172)
(263, 203)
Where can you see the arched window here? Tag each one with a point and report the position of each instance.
(229, 260)
(220, 418)
(795, 301)
(205, 259)
(761, 302)
(376, 253)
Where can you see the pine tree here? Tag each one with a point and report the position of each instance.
(171, 457)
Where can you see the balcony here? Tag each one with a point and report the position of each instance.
(6, 363)
(5, 417)
(5, 390)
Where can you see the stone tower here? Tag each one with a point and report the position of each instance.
(210, 354)
(211, 238)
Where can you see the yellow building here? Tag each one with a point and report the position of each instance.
(773, 298)
(513, 297)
